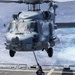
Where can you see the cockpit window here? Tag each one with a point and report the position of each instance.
(33, 26)
(12, 27)
(22, 26)
(27, 26)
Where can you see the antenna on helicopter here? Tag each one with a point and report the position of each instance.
(50, 4)
(53, 5)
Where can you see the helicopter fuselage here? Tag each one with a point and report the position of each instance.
(31, 31)
(32, 36)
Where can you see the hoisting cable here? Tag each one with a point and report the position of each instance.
(35, 58)
(39, 71)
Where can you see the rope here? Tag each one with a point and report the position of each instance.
(35, 58)
(37, 61)
(39, 71)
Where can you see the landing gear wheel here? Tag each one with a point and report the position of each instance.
(12, 53)
(50, 52)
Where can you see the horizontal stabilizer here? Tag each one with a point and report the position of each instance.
(66, 25)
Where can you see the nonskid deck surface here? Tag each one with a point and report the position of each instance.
(17, 72)
(23, 69)
(33, 72)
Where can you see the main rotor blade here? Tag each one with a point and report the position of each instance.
(32, 1)
(11, 1)
(63, 0)
(25, 1)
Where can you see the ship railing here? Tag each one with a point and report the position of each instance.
(25, 66)
(12, 66)
(71, 67)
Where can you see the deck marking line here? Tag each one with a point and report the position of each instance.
(4, 72)
(9, 70)
(21, 70)
(73, 72)
(50, 72)
(62, 72)
(1, 72)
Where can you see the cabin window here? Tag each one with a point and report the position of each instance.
(33, 26)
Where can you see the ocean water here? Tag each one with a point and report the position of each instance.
(64, 52)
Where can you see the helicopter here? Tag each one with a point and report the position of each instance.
(32, 30)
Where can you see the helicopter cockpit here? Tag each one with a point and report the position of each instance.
(12, 26)
(33, 26)
(22, 26)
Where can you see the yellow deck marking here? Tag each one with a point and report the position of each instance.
(50, 72)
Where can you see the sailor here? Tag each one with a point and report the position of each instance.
(40, 71)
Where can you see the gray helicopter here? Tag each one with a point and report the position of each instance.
(32, 30)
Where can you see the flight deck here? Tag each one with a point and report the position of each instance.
(33, 72)
(23, 69)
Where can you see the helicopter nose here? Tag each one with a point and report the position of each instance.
(35, 39)
(15, 40)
